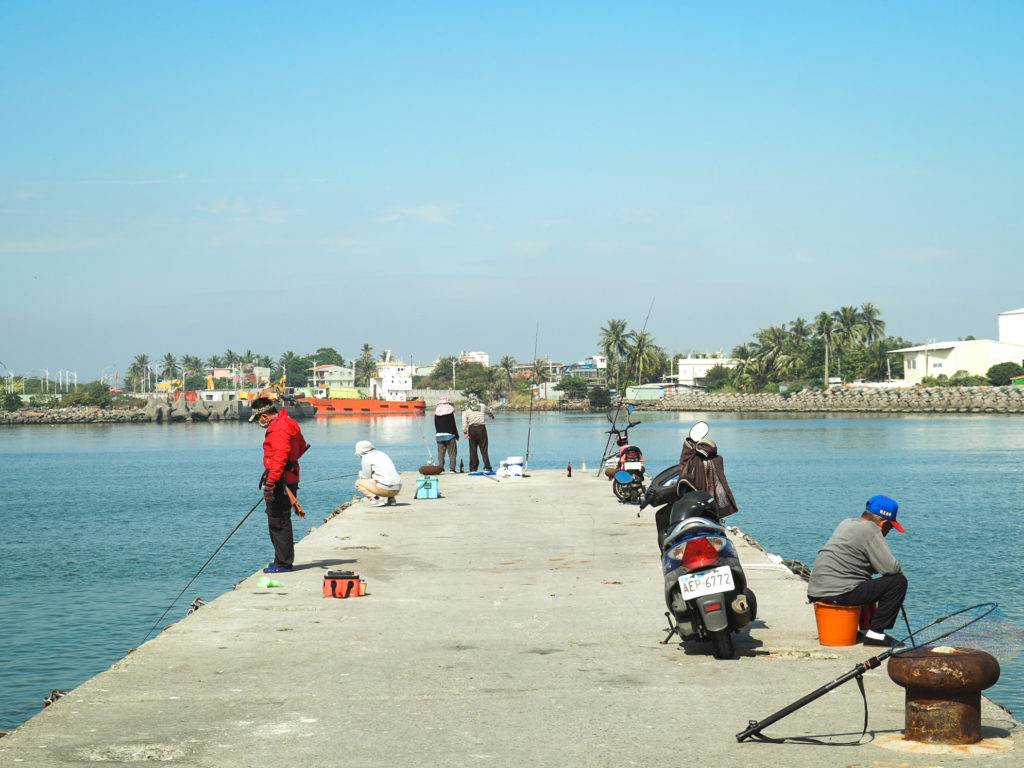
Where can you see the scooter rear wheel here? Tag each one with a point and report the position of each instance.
(721, 643)
(622, 492)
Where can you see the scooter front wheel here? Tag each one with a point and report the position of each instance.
(721, 643)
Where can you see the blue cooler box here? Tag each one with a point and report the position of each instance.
(426, 486)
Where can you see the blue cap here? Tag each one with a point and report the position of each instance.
(885, 507)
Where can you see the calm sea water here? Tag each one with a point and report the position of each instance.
(89, 512)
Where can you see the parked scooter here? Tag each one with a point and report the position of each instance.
(624, 464)
(705, 588)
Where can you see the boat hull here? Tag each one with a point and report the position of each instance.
(334, 406)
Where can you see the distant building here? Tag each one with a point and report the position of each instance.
(332, 376)
(475, 357)
(692, 370)
(975, 356)
(593, 369)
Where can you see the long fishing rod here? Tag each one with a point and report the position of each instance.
(261, 501)
(529, 424)
(332, 477)
(755, 727)
(642, 332)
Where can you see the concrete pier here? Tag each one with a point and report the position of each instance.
(512, 622)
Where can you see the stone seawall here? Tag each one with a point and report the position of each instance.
(156, 410)
(921, 400)
(836, 400)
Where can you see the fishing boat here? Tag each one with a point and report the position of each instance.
(350, 406)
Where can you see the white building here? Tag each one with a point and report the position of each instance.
(332, 376)
(475, 357)
(692, 370)
(975, 356)
(593, 369)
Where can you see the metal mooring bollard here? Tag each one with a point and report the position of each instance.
(943, 692)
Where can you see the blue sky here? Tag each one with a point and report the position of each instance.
(429, 177)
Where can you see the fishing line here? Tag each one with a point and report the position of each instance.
(529, 424)
(261, 501)
(430, 456)
(754, 727)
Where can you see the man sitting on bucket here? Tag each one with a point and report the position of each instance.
(843, 570)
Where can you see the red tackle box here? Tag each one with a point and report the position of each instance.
(343, 584)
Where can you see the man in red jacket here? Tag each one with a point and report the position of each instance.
(282, 447)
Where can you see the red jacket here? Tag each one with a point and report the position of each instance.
(282, 447)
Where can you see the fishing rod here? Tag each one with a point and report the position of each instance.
(642, 332)
(332, 477)
(755, 727)
(261, 501)
(529, 423)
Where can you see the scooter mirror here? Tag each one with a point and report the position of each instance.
(699, 431)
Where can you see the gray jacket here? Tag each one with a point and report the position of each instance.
(856, 551)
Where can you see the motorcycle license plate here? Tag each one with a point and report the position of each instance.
(628, 465)
(706, 582)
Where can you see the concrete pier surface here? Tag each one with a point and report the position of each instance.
(512, 622)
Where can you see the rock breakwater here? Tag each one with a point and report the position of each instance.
(154, 411)
(854, 400)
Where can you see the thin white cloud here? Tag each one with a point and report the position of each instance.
(925, 255)
(243, 212)
(529, 249)
(434, 213)
(47, 245)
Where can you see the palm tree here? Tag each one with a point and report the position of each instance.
(540, 370)
(507, 365)
(849, 329)
(873, 327)
(771, 350)
(744, 356)
(215, 361)
(641, 354)
(191, 365)
(614, 343)
(824, 329)
(169, 366)
(139, 372)
(365, 366)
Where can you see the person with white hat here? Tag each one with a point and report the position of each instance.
(378, 480)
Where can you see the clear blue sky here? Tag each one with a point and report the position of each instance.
(190, 177)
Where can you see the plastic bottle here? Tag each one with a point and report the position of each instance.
(264, 583)
(583, 467)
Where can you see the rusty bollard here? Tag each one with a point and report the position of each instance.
(943, 692)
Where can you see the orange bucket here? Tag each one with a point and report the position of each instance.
(837, 624)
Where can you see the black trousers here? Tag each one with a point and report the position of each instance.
(887, 591)
(478, 439)
(279, 522)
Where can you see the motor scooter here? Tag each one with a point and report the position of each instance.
(705, 587)
(624, 464)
